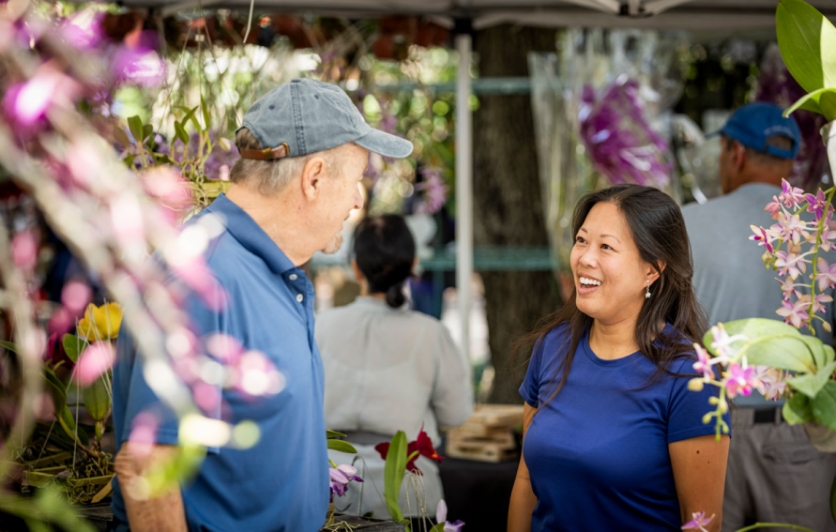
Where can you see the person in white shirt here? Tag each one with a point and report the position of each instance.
(388, 368)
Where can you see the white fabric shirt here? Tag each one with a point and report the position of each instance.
(388, 370)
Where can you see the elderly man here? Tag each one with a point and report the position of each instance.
(774, 474)
(304, 148)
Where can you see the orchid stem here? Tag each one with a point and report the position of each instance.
(776, 525)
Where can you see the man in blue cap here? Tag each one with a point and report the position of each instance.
(304, 149)
(774, 474)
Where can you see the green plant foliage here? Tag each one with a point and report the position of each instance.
(798, 409)
(807, 40)
(73, 346)
(342, 446)
(97, 399)
(393, 473)
(772, 343)
(824, 406)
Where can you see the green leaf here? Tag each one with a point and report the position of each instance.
(331, 434)
(393, 472)
(73, 346)
(135, 125)
(833, 499)
(96, 399)
(191, 116)
(56, 389)
(808, 44)
(772, 343)
(824, 406)
(180, 133)
(342, 446)
(797, 409)
(207, 116)
(811, 384)
(9, 346)
(829, 354)
(121, 137)
(147, 131)
(822, 101)
(816, 348)
(66, 420)
(438, 528)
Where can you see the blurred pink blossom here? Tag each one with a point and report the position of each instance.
(83, 30)
(24, 250)
(27, 103)
(92, 362)
(126, 217)
(741, 380)
(139, 66)
(143, 435)
(75, 296)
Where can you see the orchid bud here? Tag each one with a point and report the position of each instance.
(696, 385)
(826, 326)
(723, 407)
(707, 418)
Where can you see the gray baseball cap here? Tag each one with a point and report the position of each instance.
(306, 116)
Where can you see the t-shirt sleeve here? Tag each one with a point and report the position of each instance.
(140, 399)
(687, 408)
(530, 389)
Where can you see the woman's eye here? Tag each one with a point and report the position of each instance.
(579, 240)
(605, 246)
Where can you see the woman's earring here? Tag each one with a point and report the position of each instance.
(647, 291)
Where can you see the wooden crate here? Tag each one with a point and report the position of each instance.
(487, 435)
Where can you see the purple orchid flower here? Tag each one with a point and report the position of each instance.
(703, 363)
(790, 264)
(826, 275)
(340, 477)
(441, 517)
(817, 204)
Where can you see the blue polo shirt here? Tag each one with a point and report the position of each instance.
(280, 484)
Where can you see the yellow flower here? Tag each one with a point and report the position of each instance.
(100, 323)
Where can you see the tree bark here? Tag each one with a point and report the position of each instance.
(507, 198)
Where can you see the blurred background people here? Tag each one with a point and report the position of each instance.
(774, 473)
(388, 368)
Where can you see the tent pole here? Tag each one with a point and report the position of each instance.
(464, 188)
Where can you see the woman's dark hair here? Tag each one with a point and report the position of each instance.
(658, 230)
(385, 252)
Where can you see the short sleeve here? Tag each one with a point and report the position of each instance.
(686, 408)
(530, 389)
(139, 398)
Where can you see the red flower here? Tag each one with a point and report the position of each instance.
(423, 444)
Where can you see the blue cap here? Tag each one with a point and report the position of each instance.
(754, 123)
(306, 116)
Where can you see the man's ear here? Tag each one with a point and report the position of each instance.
(313, 175)
(738, 156)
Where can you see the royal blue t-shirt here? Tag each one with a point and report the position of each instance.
(281, 484)
(597, 453)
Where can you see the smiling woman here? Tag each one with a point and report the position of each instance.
(613, 437)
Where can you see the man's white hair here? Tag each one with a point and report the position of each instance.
(270, 177)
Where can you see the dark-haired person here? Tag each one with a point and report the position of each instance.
(775, 474)
(613, 438)
(388, 368)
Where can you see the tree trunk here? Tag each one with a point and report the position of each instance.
(508, 201)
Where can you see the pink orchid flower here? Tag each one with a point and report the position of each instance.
(817, 204)
(773, 208)
(826, 274)
(762, 237)
(703, 363)
(698, 522)
(795, 313)
(790, 264)
(741, 380)
(790, 196)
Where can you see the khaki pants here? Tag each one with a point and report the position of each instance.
(776, 475)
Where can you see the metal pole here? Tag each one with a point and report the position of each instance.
(464, 188)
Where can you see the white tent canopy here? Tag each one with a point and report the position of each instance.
(694, 15)
(714, 16)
